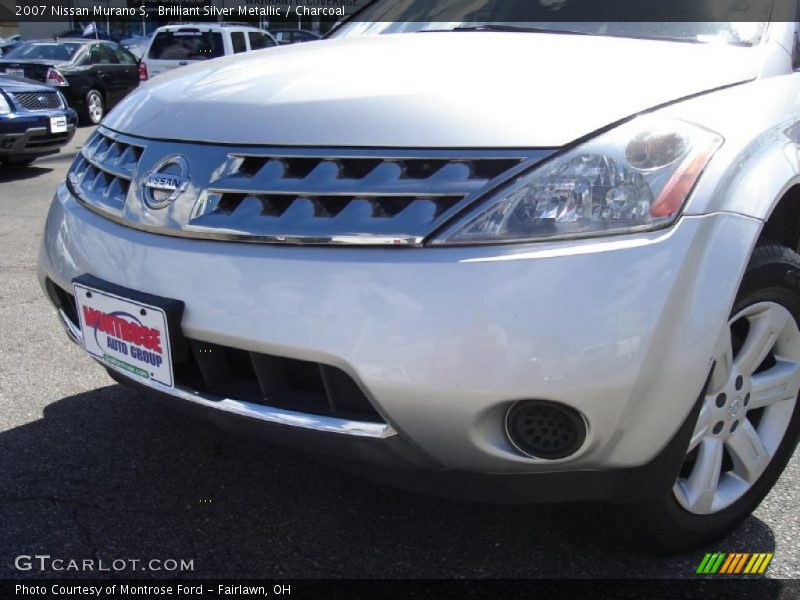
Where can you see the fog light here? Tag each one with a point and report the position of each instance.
(542, 429)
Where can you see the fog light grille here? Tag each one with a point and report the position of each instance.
(547, 430)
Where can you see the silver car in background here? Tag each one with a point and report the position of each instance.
(512, 261)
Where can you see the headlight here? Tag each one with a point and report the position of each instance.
(633, 178)
(4, 106)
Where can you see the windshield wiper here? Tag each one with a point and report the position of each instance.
(515, 28)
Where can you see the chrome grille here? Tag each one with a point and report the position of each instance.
(101, 174)
(38, 100)
(288, 194)
(373, 198)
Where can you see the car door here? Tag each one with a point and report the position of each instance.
(104, 69)
(128, 69)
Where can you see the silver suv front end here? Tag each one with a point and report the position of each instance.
(348, 327)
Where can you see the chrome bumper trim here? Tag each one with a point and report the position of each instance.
(270, 414)
(73, 332)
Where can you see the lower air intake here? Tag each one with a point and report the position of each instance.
(546, 430)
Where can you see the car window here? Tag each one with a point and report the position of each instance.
(48, 51)
(186, 44)
(260, 40)
(237, 41)
(100, 54)
(123, 56)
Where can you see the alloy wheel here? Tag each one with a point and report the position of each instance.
(95, 107)
(746, 412)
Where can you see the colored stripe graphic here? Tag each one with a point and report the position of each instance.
(734, 563)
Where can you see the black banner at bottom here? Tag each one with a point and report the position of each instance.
(294, 589)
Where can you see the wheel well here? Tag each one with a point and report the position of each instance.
(783, 225)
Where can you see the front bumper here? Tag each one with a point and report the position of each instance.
(29, 136)
(443, 340)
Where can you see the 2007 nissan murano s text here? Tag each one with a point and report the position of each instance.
(512, 261)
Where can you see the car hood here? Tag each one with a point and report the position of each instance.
(427, 90)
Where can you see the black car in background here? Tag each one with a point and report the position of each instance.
(93, 75)
(34, 121)
(293, 36)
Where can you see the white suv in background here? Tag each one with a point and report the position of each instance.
(179, 45)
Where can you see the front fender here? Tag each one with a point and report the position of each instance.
(760, 158)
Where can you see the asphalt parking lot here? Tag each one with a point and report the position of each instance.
(90, 469)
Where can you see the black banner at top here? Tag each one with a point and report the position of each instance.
(412, 11)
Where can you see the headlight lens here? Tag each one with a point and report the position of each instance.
(633, 178)
(4, 106)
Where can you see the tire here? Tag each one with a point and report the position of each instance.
(94, 108)
(768, 302)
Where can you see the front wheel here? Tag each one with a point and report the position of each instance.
(748, 424)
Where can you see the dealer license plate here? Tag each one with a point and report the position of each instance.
(126, 334)
(58, 124)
